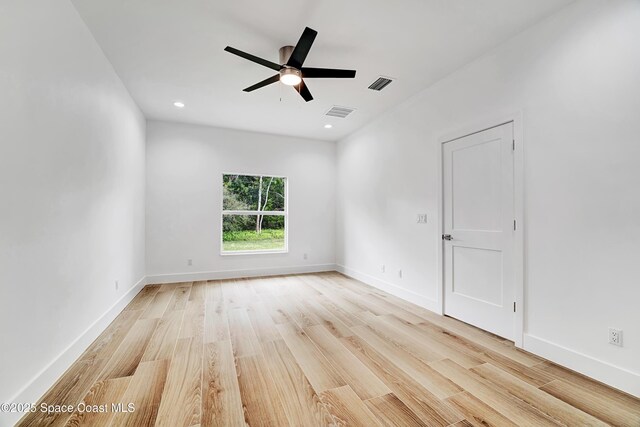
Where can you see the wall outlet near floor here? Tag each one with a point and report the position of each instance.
(382, 268)
(615, 336)
(189, 262)
(117, 285)
(305, 256)
(400, 274)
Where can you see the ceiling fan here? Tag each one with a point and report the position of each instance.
(290, 70)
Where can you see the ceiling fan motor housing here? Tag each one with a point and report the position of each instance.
(285, 54)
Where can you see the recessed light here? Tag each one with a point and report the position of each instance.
(179, 104)
(328, 126)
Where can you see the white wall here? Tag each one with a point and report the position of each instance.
(71, 192)
(576, 79)
(185, 164)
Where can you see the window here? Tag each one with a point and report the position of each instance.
(254, 214)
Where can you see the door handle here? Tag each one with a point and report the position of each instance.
(447, 237)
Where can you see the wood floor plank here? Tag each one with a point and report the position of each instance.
(484, 339)
(528, 374)
(143, 298)
(198, 291)
(347, 409)
(392, 412)
(347, 306)
(361, 303)
(216, 323)
(102, 395)
(213, 291)
(108, 342)
(301, 403)
(145, 393)
(126, 358)
(392, 309)
(332, 323)
(193, 320)
(68, 390)
(245, 291)
(421, 401)
(296, 311)
(313, 363)
(243, 337)
(400, 338)
(415, 368)
(262, 323)
(477, 413)
(164, 338)
(343, 315)
(158, 305)
(463, 423)
(511, 407)
(278, 313)
(594, 404)
(230, 294)
(181, 402)
(221, 399)
(616, 398)
(361, 380)
(261, 399)
(544, 402)
(179, 299)
(416, 335)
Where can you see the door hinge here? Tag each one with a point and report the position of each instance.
(515, 225)
(514, 306)
(513, 144)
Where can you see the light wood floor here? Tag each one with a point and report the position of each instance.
(311, 350)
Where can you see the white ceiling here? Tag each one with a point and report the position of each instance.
(167, 50)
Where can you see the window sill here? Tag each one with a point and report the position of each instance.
(284, 251)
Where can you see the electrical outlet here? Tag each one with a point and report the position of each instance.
(117, 285)
(189, 262)
(615, 336)
(305, 256)
(400, 274)
(382, 268)
(422, 218)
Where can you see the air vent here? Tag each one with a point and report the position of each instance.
(340, 112)
(380, 84)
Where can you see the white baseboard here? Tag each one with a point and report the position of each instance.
(236, 274)
(405, 294)
(44, 379)
(607, 373)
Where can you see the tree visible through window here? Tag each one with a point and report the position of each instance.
(254, 213)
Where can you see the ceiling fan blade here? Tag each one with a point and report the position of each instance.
(331, 73)
(303, 90)
(302, 49)
(253, 58)
(265, 82)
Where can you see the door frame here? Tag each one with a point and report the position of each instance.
(518, 186)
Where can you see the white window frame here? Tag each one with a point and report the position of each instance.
(284, 213)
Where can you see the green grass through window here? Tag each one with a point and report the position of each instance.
(249, 240)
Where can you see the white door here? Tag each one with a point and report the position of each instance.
(478, 239)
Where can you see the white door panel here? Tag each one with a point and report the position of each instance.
(478, 215)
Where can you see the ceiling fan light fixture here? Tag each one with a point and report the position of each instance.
(290, 76)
